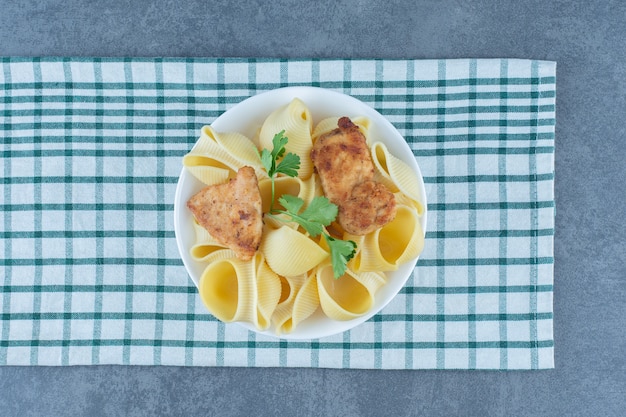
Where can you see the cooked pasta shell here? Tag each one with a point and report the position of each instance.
(324, 126)
(268, 294)
(295, 119)
(210, 253)
(404, 200)
(349, 296)
(216, 157)
(227, 288)
(304, 189)
(205, 246)
(306, 302)
(395, 243)
(317, 186)
(289, 252)
(301, 300)
(309, 189)
(207, 172)
(202, 235)
(276, 221)
(394, 173)
(234, 290)
(241, 149)
(330, 123)
(369, 256)
(208, 161)
(402, 239)
(283, 314)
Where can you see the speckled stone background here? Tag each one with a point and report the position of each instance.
(588, 41)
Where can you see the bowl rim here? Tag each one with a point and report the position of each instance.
(256, 106)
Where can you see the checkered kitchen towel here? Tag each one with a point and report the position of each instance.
(91, 152)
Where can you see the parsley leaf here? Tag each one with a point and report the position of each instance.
(291, 203)
(320, 212)
(279, 141)
(289, 165)
(341, 251)
(267, 160)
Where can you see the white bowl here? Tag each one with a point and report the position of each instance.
(245, 118)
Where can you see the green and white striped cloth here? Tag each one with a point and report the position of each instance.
(91, 153)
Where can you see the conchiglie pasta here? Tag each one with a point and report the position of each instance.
(208, 170)
(242, 150)
(268, 294)
(395, 173)
(348, 297)
(404, 200)
(295, 119)
(289, 252)
(226, 288)
(330, 123)
(304, 189)
(206, 246)
(231, 289)
(216, 157)
(282, 317)
(395, 243)
(299, 300)
(324, 126)
(307, 300)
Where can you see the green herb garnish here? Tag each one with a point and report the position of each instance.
(319, 213)
(288, 165)
(341, 251)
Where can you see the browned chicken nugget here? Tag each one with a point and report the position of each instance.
(368, 208)
(346, 170)
(231, 212)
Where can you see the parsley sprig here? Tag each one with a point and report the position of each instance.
(317, 215)
(288, 165)
(320, 212)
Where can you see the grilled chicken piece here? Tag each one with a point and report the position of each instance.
(231, 212)
(344, 164)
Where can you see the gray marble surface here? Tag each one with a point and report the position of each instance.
(588, 41)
